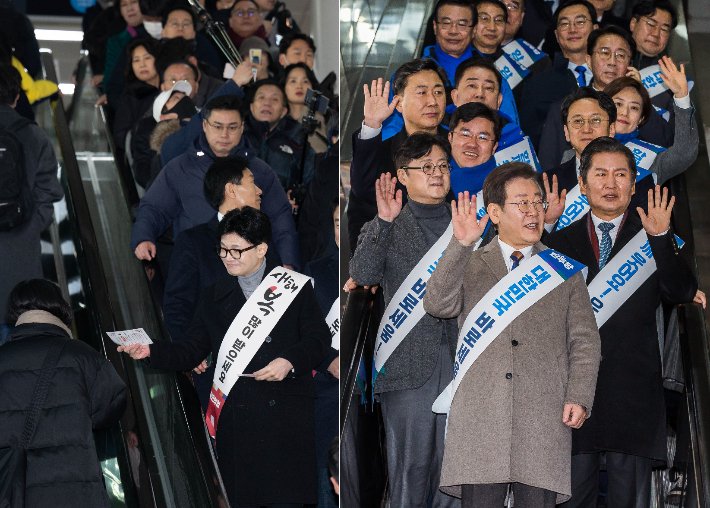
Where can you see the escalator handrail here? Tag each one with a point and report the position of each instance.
(98, 287)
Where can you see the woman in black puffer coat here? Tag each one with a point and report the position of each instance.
(85, 393)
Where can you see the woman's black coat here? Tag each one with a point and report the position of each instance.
(265, 435)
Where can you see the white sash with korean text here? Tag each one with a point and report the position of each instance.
(510, 70)
(522, 151)
(333, 322)
(652, 82)
(576, 204)
(519, 290)
(254, 322)
(406, 309)
(645, 153)
(622, 276)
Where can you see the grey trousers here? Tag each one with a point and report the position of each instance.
(414, 438)
(492, 495)
(629, 480)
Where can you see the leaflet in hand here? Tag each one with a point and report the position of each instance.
(129, 337)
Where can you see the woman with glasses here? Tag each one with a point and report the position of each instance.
(633, 108)
(265, 432)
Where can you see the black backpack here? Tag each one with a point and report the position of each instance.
(15, 195)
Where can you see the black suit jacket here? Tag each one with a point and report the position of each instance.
(629, 411)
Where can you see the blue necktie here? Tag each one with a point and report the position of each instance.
(604, 243)
(581, 77)
(517, 257)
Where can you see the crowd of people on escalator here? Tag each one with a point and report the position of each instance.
(237, 169)
(527, 130)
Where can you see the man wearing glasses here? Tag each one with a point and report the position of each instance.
(609, 52)
(393, 247)
(573, 22)
(176, 199)
(511, 410)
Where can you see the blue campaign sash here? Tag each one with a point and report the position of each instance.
(645, 154)
(665, 114)
(622, 276)
(652, 82)
(576, 204)
(405, 308)
(515, 62)
(515, 293)
(522, 151)
(510, 70)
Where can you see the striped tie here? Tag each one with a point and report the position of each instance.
(581, 76)
(517, 257)
(604, 243)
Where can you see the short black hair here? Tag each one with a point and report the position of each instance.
(418, 145)
(610, 30)
(251, 224)
(177, 49)
(179, 6)
(587, 92)
(408, 69)
(469, 111)
(223, 170)
(571, 3)
(9, 84)
(497, 3)
(476, 61)
(290, 38)
(152, 7)
(252, 1)
(266, 82)
(648, 8)
(38, 294)
(150, 45)
(459, 3)
(223, 103)
(309, 74)
(494, 186)
(619, 84)
(604, 144)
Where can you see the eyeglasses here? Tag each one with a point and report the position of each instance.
(244, 14)
(653, 24)
(524, 206)
(485, 19)
(235, 253)
(231, 128)
(594, 122)
(469, 136)
(459, 23)
(620, 55)
(428, 168)
(579, 22)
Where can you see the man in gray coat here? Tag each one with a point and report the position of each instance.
(389, 248)
(20, 245)
(509, 424)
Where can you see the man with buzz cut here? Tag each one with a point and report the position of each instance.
(527, 352)
(628, 426)
(414, 351)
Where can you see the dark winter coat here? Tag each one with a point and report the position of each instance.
(85, 393)
(629, 410)
(176, 198)
(265, 435)
(20, 247)
(135, 101)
